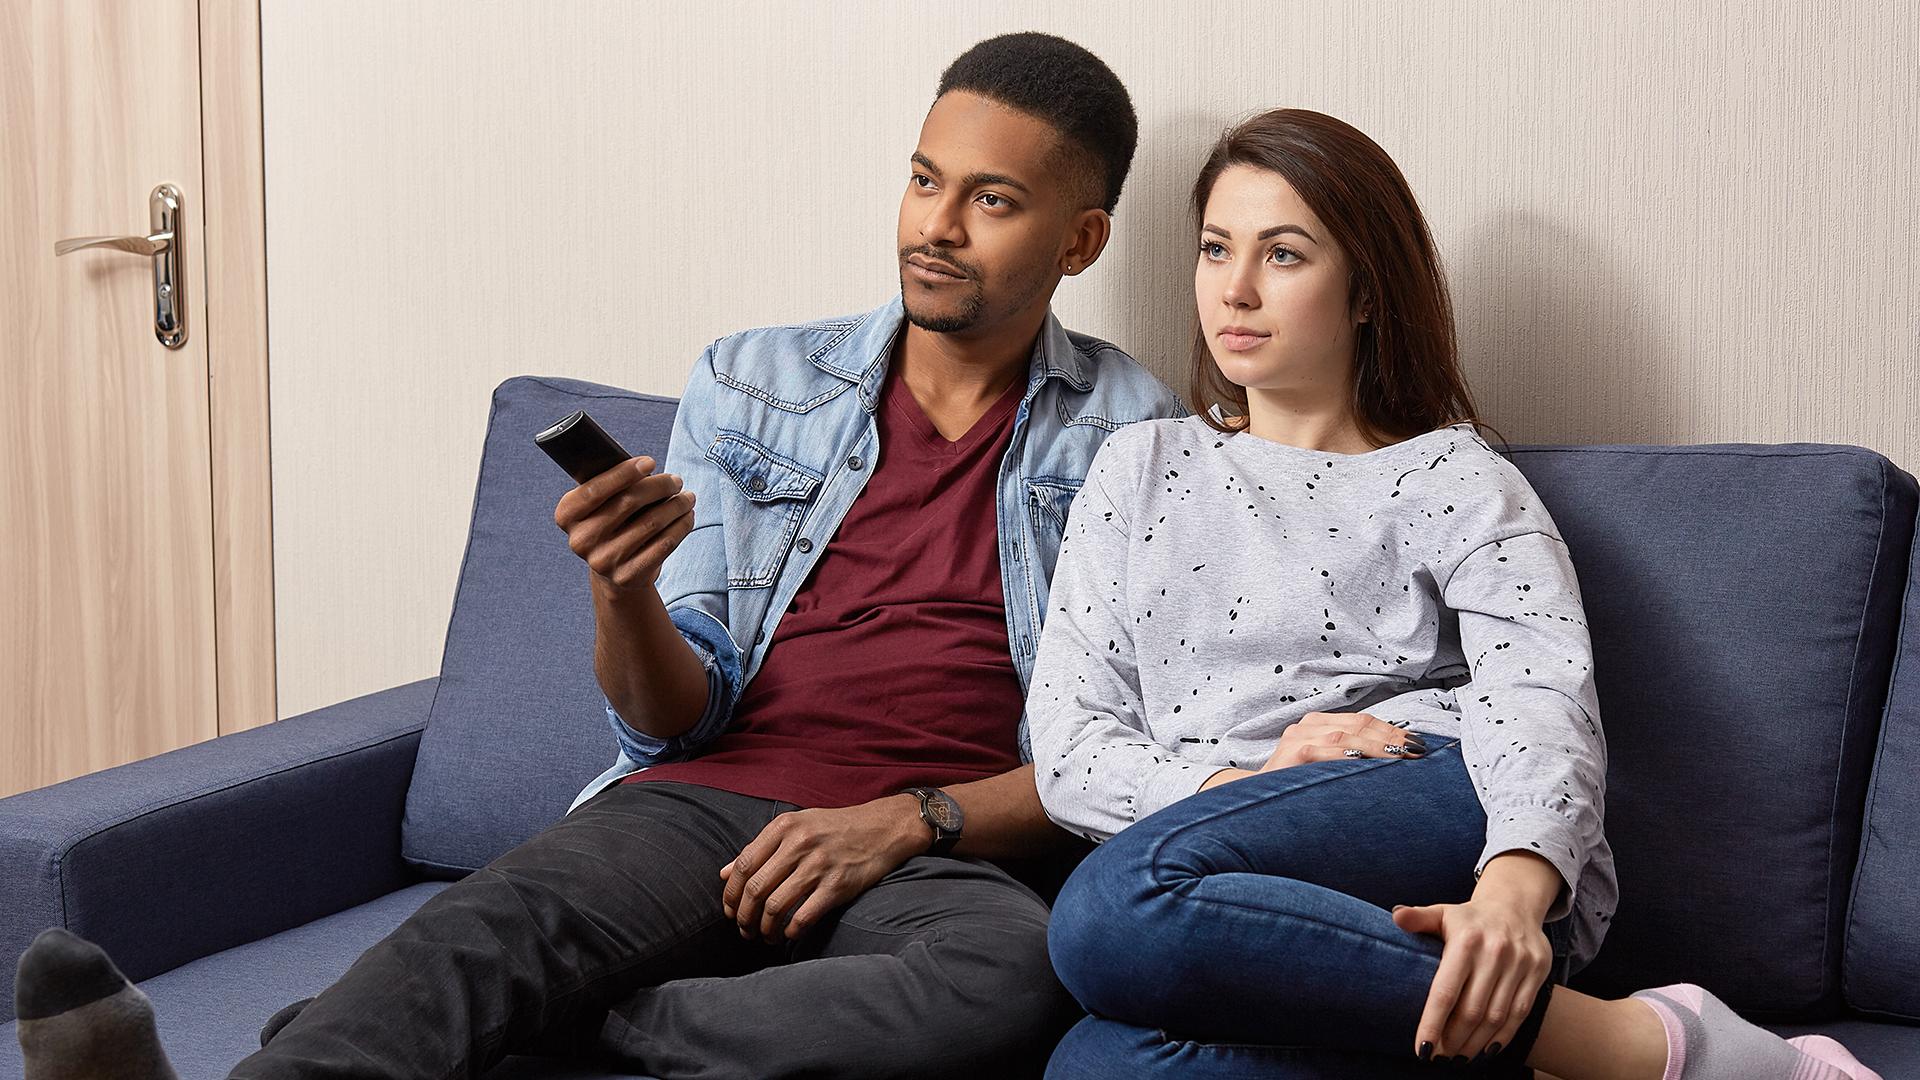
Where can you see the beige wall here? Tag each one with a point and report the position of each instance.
(1665, 222)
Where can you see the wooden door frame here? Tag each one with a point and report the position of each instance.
(233, 232)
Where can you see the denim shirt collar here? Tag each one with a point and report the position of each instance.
(861, 354)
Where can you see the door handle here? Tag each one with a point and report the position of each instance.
(163, 244)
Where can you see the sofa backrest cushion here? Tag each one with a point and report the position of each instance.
(1881, 972)
(519, 724)
(1744, 602)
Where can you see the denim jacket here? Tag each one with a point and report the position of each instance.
(776, 434)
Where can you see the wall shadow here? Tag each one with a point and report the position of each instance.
(1561, 341)
(1150, 259)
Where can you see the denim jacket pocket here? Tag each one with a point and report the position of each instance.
(772, 492)
(1048, 500)
(1053, 497)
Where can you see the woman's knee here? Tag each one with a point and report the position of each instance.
(1104, 930)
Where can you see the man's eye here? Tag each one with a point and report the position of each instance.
(992, 201)
(921, 180)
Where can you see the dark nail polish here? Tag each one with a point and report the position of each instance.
(1493, 1050)
(1460, 1059)
(1426, 1051)
(1416, 743)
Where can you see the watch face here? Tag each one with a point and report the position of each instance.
(943, 812)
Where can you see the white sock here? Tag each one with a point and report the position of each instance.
(1708, 1041)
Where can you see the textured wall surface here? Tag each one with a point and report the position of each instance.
(1665, 223)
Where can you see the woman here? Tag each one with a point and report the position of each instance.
(1319, 653)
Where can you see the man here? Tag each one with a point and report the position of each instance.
(824, 669)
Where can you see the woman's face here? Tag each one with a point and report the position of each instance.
(1272, 289)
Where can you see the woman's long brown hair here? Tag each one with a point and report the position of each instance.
(1406, 371)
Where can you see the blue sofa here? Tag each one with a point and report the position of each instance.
(1757, 628)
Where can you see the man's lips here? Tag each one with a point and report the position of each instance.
(1240, 339)
(933, 270)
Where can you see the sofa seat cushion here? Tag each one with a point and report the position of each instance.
(1892, 1050)
(210, 1011)
(519, 725)
(1744, 603)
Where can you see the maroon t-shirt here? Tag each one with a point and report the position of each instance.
(890, 669)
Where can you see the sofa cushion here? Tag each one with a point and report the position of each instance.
(1892, 1050)
(1744, 602)
(518, 725)
(209, 1012)
(1881, 971)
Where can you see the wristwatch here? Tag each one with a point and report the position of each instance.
(938, 809)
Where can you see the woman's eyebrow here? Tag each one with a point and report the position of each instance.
(1264, 233)
(1278, 229)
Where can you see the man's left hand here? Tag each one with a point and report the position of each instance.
(807, 862)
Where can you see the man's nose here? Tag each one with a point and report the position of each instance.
(942, 224)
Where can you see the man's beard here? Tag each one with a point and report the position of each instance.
(952, 322)
(972, 306)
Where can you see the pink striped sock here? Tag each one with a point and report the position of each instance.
(1707, 1041)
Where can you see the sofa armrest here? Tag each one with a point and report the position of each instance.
(179, 856)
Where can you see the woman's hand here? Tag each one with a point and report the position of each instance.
(1321, 736)
(1495, 960)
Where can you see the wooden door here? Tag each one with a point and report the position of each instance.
(117, 501)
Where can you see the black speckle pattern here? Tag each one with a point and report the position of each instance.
(1433, 572)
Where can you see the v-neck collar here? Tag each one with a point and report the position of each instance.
(901, 401)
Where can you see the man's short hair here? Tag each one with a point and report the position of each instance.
(1068, 88)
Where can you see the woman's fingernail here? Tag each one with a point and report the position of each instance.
(1426, 1051)
(1416, 741)
(1461, 1059)
(1493, 1050)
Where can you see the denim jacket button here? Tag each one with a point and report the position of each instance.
(758, 483)
(854, 463)
(804, 545)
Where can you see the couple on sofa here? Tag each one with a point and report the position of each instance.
(1313, 670)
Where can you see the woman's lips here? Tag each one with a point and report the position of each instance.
(1240, 339)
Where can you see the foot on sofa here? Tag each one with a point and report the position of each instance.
(80, 1019)
(1708, 1041)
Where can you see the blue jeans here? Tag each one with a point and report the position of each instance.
(1246, 931)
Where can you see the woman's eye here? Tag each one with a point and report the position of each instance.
(1284, 257)
(1212, 249)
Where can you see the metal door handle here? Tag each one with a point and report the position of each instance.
(164, 244)
(138, 245)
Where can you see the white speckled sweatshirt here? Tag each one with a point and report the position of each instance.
(1212, 589)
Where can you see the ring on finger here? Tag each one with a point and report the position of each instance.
(1353, 753)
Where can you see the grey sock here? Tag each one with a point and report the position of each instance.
(80, 1019)
(1708, 1041)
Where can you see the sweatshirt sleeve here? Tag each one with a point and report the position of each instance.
(1530, 716)
(1097, 768)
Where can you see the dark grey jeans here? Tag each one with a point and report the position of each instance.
(603, 936)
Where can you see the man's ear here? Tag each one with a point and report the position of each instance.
(1086, 238)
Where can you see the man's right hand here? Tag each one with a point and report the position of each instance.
(626, 521)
